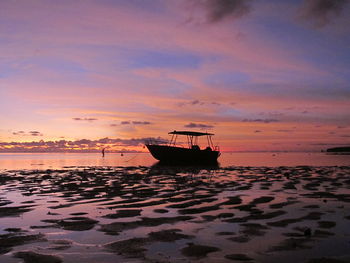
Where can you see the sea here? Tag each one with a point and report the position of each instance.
(39, 161)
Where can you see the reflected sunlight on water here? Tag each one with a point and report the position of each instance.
(59, 160)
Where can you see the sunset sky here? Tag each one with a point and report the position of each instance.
(260, 74)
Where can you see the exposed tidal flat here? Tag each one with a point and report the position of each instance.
(173, 214)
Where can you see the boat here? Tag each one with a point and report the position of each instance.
(192, 154)
(339, 150)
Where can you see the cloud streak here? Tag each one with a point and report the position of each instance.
(199, 126)
(30, 133)
(219, 10)
(85, 119)
(135, 123)
(141, 122)
(260, 120)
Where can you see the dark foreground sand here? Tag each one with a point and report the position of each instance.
(162, 214)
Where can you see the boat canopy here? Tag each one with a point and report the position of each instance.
(190, 133)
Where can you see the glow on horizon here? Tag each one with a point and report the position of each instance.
(274, 77)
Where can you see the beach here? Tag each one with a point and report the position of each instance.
(175, 214)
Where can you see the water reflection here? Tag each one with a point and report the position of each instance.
(139, 211)
(59, 160)
(160, 168)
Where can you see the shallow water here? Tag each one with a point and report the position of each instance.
(59, 160)
(174, 214)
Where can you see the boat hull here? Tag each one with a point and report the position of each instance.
(171, 154)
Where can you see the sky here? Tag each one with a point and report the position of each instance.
(263, 75)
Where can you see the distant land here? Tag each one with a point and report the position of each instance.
(339, 149)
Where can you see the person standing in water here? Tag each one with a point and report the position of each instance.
(103, 152)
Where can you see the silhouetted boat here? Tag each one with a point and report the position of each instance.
(171, 153)
(339, 150)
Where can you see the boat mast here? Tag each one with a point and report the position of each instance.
(173, 140)
(189, 141)
(211, 142)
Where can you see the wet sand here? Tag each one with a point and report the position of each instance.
(167, 214)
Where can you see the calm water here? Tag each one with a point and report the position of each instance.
(58, 160)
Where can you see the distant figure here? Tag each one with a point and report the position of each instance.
(103, 152)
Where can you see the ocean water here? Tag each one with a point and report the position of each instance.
(14, 161)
